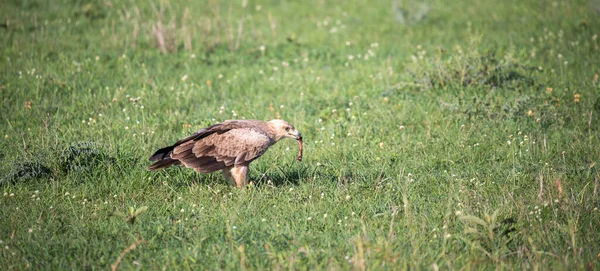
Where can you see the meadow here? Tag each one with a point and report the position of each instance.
(437, 134)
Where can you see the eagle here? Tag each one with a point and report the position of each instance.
(229, 146)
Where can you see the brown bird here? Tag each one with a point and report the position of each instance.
(229, 146)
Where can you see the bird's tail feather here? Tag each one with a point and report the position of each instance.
(162, 154)
(167, 162)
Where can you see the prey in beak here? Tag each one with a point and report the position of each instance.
(299, 139)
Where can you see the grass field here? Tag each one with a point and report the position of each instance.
(438, 134)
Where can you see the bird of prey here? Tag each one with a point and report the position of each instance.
(229, 146)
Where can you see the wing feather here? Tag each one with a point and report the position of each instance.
(218, 128)
(234, 147)
(219, 146)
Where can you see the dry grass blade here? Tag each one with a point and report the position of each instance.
(559, 187)
(133, 246)
(163, 36)
(541, 193)
(595, 186)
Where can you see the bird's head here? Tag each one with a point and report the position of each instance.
(284, 130)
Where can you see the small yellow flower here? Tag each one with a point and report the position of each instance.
(28, 104)
(530, 113)
(576, 97)
(548, 90)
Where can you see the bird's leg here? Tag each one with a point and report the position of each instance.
(227, 175)
(240, 175)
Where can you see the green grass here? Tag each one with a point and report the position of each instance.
(468, 139)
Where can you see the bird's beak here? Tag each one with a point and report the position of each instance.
(298, 135)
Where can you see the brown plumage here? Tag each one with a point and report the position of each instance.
(229, 146)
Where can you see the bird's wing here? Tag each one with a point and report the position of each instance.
(165, 152)
(218, 128)
(236, 146)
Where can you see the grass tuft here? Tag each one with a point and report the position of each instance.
(26, 171)
(83, 156)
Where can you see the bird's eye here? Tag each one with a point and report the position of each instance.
(287, 129)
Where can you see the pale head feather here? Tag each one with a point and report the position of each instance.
(283, 129)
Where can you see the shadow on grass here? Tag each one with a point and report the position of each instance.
(281, 177)
(295, 175)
